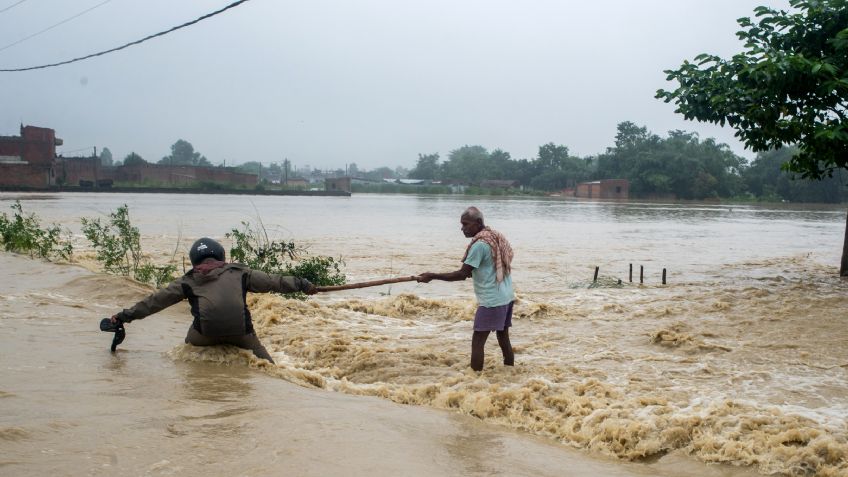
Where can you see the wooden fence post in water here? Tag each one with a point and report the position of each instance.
(631, 273)
(663, 276)
(641, 274)
(596, 274)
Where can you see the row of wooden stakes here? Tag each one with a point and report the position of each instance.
(641, 274)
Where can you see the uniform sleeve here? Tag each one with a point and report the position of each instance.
(261, 282)
(476, 254)
(158, 301)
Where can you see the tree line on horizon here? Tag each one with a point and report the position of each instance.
(182, 154)
(680, 165)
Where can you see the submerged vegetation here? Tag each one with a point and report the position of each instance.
(117, 244)
(253, 247)
(23, 233)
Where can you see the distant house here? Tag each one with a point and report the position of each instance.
(297, 182)
(498, 184)
(365, 180)
(604, 189)
(29, 160)
(338, 183)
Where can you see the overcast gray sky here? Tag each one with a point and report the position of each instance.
(375, 82)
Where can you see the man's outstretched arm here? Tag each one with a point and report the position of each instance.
(461, 274)
(153, 303)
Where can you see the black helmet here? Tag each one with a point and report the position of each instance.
(204, 248)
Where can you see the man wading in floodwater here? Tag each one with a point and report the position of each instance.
(216, 291)
(487, 260)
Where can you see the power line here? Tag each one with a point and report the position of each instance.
(78, 150)
(54, 26)
(132, 43)
(12, 5)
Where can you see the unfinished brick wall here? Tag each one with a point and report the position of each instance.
(39, 145)
(183, 175)
(72, 170)
(35, 148)
(25, 175)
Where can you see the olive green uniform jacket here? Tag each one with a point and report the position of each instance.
(217, 298)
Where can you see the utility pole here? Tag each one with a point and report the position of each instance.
(94, 162)
(286, 169)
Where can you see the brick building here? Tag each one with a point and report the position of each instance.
(297, 183)
(604, 189)
(29, 160)
(182, 175)
(338, 183)
(76, 171)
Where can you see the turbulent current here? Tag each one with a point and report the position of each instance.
(739, 359)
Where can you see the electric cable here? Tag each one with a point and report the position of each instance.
(78, 150)
(132, 43)
(12, 5)
(54, 26)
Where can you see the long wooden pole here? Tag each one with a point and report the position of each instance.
(372, 283)
(843, 269)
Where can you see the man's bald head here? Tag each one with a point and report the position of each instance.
(472, 221)
(473, 213)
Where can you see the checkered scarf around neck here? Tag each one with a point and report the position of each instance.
(207, 266)
(501, 251)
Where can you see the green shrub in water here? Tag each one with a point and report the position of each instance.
(23, 233)
(117, 245)
(252, 247)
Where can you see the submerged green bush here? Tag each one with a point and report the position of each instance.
(252, 247)
(23, 233)
(117, 244)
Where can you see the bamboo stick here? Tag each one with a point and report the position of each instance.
(372, 283)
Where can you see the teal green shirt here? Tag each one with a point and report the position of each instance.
(489, 292)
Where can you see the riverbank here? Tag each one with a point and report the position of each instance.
(180, 190)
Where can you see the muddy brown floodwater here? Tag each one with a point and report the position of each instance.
(737, 366)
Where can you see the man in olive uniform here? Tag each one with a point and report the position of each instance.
(216, 291)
